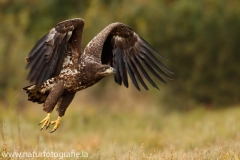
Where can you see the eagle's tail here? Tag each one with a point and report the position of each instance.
(34, 94)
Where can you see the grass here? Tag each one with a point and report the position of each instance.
(125, 131)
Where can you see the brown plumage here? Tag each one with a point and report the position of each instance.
(59, 68)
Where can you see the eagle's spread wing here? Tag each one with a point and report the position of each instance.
(129, 53)
(47, 56)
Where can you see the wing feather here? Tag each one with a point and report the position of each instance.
(131, 73)
(135, 70)
(122, 48)
(151, 69)
(43, 58)
(147, 52)
(149, 47)
(122, 68)
(117, 77)
(46, 58)
(139, 65)
(149, 61)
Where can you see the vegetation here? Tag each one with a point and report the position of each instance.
(126, 133)
(195, 116)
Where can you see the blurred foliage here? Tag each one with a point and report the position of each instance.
(201, 40)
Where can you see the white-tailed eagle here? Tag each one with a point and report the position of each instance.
(59, 68)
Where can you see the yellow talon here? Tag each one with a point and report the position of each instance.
(57, 124)
(45, 121)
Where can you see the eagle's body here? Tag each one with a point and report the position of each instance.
(59, 68)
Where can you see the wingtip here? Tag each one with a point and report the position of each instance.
(161, 56)
(126, 86)
(27, 59)
(157, 87)
(171, 72)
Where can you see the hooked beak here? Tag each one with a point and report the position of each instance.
(110, 70)
(114, 70)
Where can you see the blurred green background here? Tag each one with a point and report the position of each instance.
(201, 39)
(195, 116)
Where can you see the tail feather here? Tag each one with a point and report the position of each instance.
(34, 94)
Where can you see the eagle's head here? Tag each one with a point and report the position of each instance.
(94, 71)
(104, 70)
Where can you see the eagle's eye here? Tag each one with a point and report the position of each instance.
(104, 68)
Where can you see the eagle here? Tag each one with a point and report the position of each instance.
(58, 67)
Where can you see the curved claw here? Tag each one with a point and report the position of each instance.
(57, 124)
(45, 121)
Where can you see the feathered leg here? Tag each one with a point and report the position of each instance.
(62, 106)
(51, 101)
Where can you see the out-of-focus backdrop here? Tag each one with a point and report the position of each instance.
(201, 39)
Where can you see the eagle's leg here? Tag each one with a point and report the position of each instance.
(57, 124)
(45, 121)
(51, 101)
(62, 107)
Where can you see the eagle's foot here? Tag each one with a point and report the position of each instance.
(45, 121)
(57, 124)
